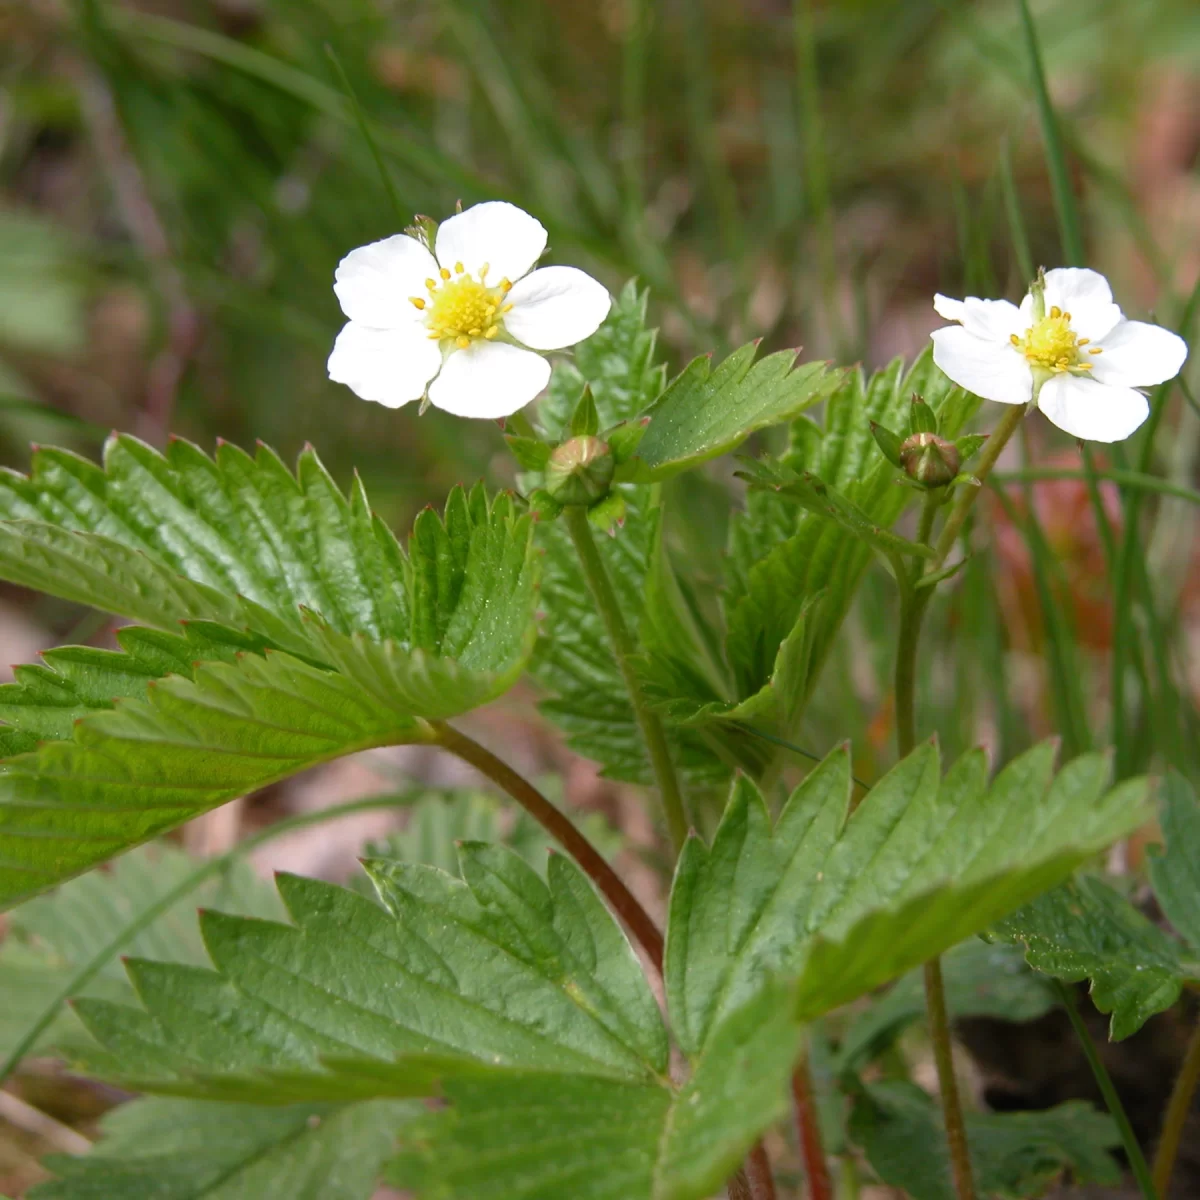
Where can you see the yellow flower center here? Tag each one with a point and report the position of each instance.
(463, 308)
(1053, 345)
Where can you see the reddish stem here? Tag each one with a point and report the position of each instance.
(624, 902)
(808, 1127)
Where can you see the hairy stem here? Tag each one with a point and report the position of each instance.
(913, 602)
(991, 451)
(808, 1128)
(956, 1128)
(1133, 1151)
(623, 901)
(609, 607)
(1178, 1108)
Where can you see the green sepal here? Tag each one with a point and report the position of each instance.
(624, 439)
(608, 513)
(424, 230)
(921, 418)
(969, 444)
(543, 505)
(585, 420)
(965, 479)
(530, 453)
(888, 442)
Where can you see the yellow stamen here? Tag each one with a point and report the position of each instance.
(431, 284)
(1096, 350)
(416, 301)
(1051, 344)
(463, 342)
(491, 331)
(483, 271)
(1083, 341)
(445, 274)
(462, 307)
(505, 285)
(458, 268)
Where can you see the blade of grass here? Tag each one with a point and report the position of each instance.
(1069, 226)
(1016, 219)
(364, 128)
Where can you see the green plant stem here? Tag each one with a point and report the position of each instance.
(913, 602)
(956, 1127)
(1178, 1108)
(623, 901)
(1137, 1160)
(609, 607)
(991, 451)
(1134, 480)
(213, 866)
(808, 1130)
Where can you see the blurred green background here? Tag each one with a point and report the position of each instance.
(179, 179)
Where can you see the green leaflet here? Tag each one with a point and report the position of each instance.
(503, 969)
(1087, 930)
(923, 863)
(196, 1150)
(783, 558)
(705, 411)
(1015, 1155)
(544, 1137)
(131, 773)
(243, 542)
(616, 363)
(1175, 871)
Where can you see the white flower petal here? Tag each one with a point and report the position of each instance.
(992, 370)
(489, 379)
(1138, 355)
(1086, 408)
(389, 366)
(952, 310)
(1086, 296)
(500, 235)
(555, 307)
(373, 283)
(995, 320)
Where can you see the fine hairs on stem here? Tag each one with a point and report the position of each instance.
(913, 601)
(609, 608)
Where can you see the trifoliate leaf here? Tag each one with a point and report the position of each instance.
(1175, 871)
(197, 1150)
(706, 411)
(1015, 1155)
(1086, 930)
(847, 904)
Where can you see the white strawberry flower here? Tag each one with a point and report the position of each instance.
(464, 327)
(1067, 347)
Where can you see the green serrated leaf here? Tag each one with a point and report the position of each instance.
(1175, 871)
(848, 904)
(545, 1136)
(243, 542)
(707, 411)
(504, 969)
(1086, 930)
(616, 363)
(780, 558)
(196, 1150)
(1015, 1155)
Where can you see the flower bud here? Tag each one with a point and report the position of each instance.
(930, 460)
(580, 471)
